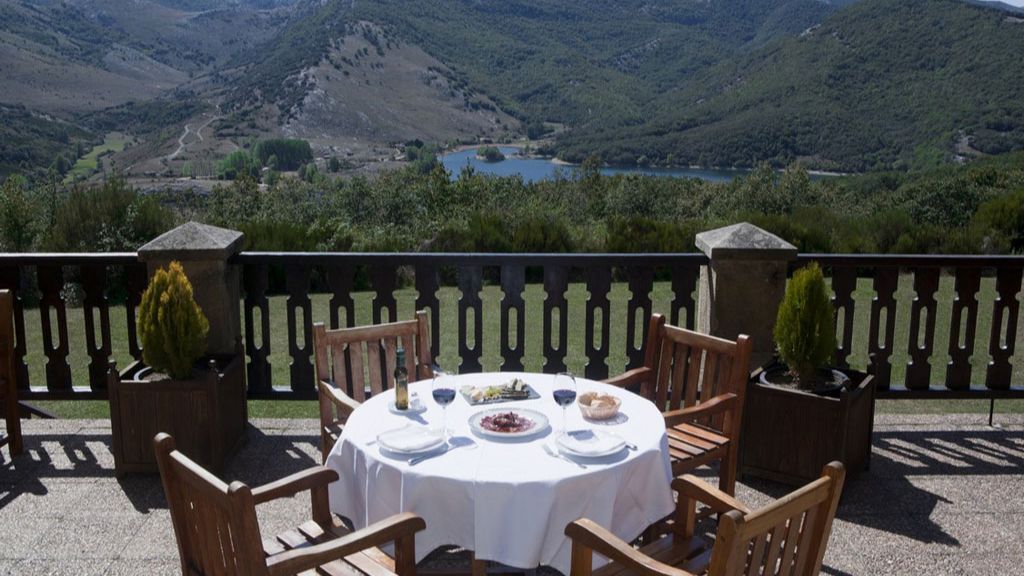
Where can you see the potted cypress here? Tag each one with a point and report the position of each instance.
(200, 400)
(800, 412)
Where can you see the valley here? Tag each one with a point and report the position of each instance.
(850, 86)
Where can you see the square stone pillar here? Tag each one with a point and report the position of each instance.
(204, 252)
(742, 286)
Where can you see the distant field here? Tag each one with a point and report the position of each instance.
(533, 357)
(86, 165)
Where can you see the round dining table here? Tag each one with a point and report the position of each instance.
(508, 500)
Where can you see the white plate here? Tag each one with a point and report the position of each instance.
(411, 439)
(590, 443)
(540, 422)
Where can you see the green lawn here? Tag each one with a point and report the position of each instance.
(86, 165)
(534, 296)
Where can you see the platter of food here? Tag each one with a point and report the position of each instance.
(514, 389)
(508, 423)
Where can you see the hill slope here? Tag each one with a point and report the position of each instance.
(878, 85)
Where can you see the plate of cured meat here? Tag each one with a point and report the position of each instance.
(508, 423)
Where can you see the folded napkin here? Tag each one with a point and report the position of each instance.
(410, 439)
(590, 441)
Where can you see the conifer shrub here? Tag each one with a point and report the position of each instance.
(805, 330)
(172, 327)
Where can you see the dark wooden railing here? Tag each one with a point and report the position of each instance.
(926, 326)
(510, 271)
(47, 276)
(979, 292)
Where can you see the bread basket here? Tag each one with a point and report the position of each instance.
(597, 406)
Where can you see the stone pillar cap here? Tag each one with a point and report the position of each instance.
(193, 241)
(744, 241)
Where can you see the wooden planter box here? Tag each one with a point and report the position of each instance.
(207, 416)
(789, 435)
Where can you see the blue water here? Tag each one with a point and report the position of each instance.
(534, 169)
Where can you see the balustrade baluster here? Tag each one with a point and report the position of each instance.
(684, 283)
(10, 279)
(384, 281)
(513, 282)
(1005, 308)
(94, 283)
(297, 285)
(844, 282)
(556, 283)
(136, 278)
(599, 284)
(958, 371)
(258, 369)
(58, 373)
(641, 280)
(926, 283)
(340, 279)
(880, 353)
(426, 298)
(470, 282)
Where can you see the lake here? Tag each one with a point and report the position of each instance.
(533, 169)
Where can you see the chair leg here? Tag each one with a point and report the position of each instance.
(477, 567)
(727, 472)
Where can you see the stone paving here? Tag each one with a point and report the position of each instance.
(944, 495)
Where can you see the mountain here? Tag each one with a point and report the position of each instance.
(877, 85)
(846, 85)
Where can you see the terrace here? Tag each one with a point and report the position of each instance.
(940, 495)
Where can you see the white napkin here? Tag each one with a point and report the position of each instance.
(590, 441)
(410, 439)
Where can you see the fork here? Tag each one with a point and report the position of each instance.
(551, 451)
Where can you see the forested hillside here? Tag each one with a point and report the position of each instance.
(878, 85)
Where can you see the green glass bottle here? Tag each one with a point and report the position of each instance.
(401, 381)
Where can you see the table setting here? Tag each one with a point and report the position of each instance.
(499, 463)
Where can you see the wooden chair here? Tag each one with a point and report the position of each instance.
(699, 382)
(354, 363)
(787, 537)
(8, 371)
(218, 534)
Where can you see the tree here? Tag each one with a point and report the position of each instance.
(17, 233)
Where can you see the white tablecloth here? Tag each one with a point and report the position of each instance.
(506, 501)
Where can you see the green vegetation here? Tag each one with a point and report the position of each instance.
(286, 153)
(490, 154)
(30, 142)
(877, 86)
(88, 165)
(172, 328)
(805, 330)
(274, 154)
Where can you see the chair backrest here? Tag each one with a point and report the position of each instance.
(215, 524)
(690, 367)
(787, 537)
(361, 358)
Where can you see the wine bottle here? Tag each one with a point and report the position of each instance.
(401, 381)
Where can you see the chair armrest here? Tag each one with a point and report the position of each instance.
(388, 530)
(689, 486)
(630, 377)
(291, 485)
(716, 405)
(588, 533)
(343, 401)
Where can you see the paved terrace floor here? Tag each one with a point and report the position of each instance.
(944, 495)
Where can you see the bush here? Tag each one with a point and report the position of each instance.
(805, 331)
(172, 327)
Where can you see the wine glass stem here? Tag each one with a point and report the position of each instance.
(565, 427)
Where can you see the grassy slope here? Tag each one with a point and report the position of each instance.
(86, 165)
(533, 358)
